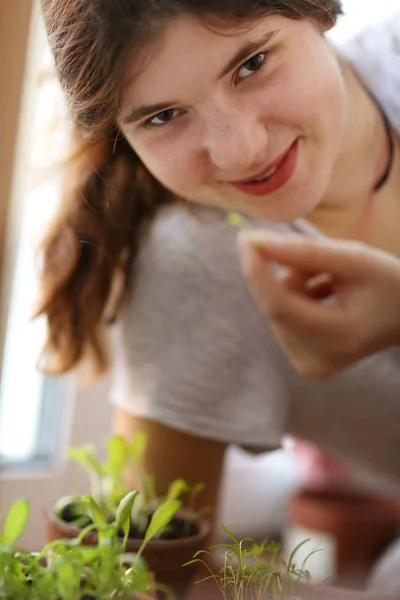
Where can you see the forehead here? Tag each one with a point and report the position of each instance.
(186, 44)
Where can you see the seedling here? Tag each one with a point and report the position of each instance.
(235, 219)
(107, 482)
(251, 571)
(69, 570)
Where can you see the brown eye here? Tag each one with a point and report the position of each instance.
(162, 118)
(252, 65)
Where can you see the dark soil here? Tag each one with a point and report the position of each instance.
(69, 516)
(176, 530)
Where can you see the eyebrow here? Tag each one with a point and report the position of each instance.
(243, 53)
(146, 111)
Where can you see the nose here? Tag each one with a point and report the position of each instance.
(235, 140)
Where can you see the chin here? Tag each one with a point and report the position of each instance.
(295, 204)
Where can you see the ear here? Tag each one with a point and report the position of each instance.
(329, 25)
(327, 21)
(324, 22)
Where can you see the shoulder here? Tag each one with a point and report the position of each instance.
(186, 259)
(375, 55)
(186, 269)
(182, 238)
(193, 253)
(197, 241)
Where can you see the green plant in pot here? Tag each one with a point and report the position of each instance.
(68, 569)
(13, 582)
(251, 571)
(106, 481)
(173, 546)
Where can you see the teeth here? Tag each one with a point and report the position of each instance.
(268, 175)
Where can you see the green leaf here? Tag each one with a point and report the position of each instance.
(295, 551)
(67, 581)
(141, 572)
(160, 519)
(138, 446)
(229, 534)
(88, 529)
(98, 515)
(236, 220)
(199, 487)
(196, 559)
(118, 450)
(81, 521)
(15, 522)
(150, 487)
(176, 488)
(86, 456)
(42, 583)
(123, 516)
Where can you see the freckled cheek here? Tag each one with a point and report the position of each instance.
(327, 113)
(174, 165)
(303, 93)
(295, 105)
(316, 109)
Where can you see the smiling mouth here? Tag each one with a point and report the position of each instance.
(268, 174)
(274, 176)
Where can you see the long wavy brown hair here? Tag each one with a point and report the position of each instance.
(109, 198)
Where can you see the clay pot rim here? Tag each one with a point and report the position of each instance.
(203, 524)
(311, 506)
(348, 499)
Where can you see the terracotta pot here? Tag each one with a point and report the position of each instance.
(164, 557)
(361, 526)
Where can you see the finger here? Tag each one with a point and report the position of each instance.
(318, 287)
(258, 273)
(342, 259)
(311, 333)
(282, 303)
(291, 278)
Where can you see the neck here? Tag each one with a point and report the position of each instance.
(362, 160)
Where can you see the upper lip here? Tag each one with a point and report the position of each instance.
(265, 170)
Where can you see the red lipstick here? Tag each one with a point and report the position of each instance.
(273, 177)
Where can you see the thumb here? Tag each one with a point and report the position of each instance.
(342, 259)
(258, 272)
(280, 302)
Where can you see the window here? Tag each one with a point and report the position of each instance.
(359, 14)
(30, 404)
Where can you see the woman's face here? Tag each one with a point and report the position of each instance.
(250, 121)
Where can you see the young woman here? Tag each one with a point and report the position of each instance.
(183, 110)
